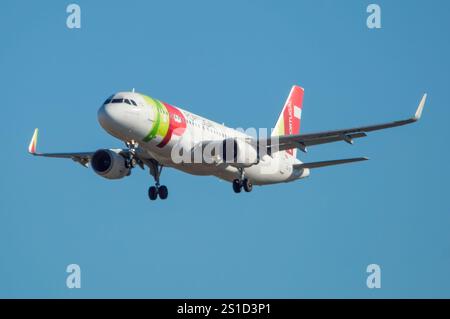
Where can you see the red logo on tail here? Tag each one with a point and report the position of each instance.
(292, 113)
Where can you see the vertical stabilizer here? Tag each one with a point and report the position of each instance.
(289, 120)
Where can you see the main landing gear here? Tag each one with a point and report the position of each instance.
(157, 190)
(242, 183)
(154, 191)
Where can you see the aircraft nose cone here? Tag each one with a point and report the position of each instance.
(108, 116)
(101, 115)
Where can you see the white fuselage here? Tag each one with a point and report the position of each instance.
(146, 124)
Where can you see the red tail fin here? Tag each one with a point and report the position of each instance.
(289, 120)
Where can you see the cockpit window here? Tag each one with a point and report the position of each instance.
(130, 102)
(108, 100)
(121, 100)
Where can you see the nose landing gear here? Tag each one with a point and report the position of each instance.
(131, 161)
(155, 170)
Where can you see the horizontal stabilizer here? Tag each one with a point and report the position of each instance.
(329, 163)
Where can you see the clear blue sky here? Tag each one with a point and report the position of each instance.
(231, 61)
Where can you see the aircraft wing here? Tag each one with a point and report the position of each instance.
(302, 141)
(80, 157)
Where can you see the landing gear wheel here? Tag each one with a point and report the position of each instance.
(248, 186)
(237, 186)
(152, 193)
(163, 192)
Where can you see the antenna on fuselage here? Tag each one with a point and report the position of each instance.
(132, 90)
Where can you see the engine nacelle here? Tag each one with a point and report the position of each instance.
(109, 164)
(239, 153)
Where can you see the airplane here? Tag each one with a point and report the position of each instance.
(156, 134)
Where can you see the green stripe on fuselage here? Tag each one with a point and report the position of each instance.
(161, 123)
(164, 120)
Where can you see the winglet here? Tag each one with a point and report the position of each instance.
(33, 142)
(418, 114)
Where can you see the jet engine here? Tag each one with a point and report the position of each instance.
(235, 152)
(109, 164)
(245, 154)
